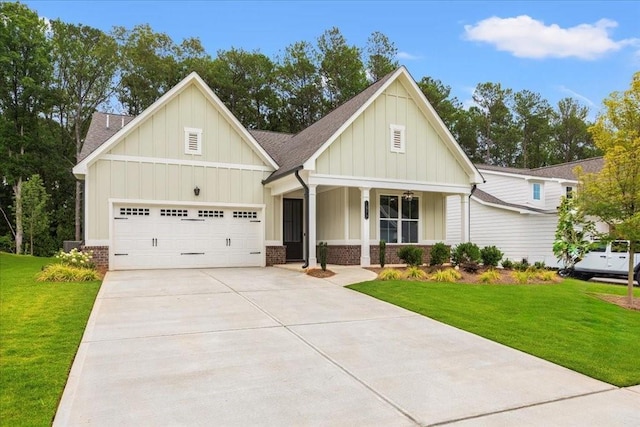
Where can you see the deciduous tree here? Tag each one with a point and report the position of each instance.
(25, 96)
(35, 218)
(245, 82)
(86, 60)
(613, 194)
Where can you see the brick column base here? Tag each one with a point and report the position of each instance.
(100, 256)
(276, 255)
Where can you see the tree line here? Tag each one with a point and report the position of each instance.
(54, 75)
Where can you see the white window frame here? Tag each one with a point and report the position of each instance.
(399, 220)
(392, 133)
(533, 192)
(569, 191)
(187, 147)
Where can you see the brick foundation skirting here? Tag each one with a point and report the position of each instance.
(392, 254)
(342, 254)
(276, 255)
(100, 255)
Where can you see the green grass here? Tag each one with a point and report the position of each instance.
(562, 323)
(41, 325)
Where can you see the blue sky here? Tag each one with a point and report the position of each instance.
(582, 49)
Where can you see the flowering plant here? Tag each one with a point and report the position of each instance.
(76, 258)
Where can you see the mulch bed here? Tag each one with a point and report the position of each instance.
(622, 301)
(506, 276)
(319, 273)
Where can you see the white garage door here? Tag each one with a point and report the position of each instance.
(185, 237)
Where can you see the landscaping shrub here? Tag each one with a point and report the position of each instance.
(389, 274)
(522, 265)
(415, 273)
(383, 253)
(67, 273)
(76, 258)
(489, 276)
(539, 265)
(447, 275)
(507, 264)
(411, 255)
(547, 275)
(470, 267)
(439, 254)
(490, 256)
(522, 277)
(322, 255)
(465, 253)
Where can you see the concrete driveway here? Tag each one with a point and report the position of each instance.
(231, 347)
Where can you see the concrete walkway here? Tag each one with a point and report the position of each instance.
(237, 347)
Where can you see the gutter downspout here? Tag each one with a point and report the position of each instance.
(306, 218)
(473, 189)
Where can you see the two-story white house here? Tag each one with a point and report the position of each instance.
(515, 209)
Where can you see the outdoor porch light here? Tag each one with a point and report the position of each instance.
(408, 195)
(196, 191)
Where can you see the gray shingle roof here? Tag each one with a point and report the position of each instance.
(488, 198)
(274, 143)
(560, 171)
(99, 132)
(303, 145)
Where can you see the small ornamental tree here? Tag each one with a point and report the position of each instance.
(571, 239)
(35, 217)
(613, 194)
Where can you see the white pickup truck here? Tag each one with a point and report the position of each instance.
(607, 259)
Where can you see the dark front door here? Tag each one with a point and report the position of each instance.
(292, 228)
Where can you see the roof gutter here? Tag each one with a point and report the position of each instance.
(306, 217)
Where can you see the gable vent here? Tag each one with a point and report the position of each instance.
(397, 138)
(192, 141)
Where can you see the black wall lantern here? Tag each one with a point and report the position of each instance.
(366, 209)
(196, 191)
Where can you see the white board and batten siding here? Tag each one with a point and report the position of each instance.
(366, 148)
(186, 142)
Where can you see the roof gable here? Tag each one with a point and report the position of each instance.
(304, 148)
(193, 79)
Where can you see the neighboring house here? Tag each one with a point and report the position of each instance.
(184, 184)
(516, 209)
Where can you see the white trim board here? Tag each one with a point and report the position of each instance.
(388, 184)
(166, 161)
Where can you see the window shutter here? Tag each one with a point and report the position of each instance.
(192, 141)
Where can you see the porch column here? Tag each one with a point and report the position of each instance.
(365, 214)
(464, 218)
(313, 260)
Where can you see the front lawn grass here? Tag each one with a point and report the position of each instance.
(563, 323)
(41, 325)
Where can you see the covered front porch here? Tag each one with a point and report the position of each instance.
(353, 215)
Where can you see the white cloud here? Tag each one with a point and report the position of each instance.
(407, 56)
(526, 37)
(575, 94)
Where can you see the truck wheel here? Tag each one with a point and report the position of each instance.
(564, 272)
